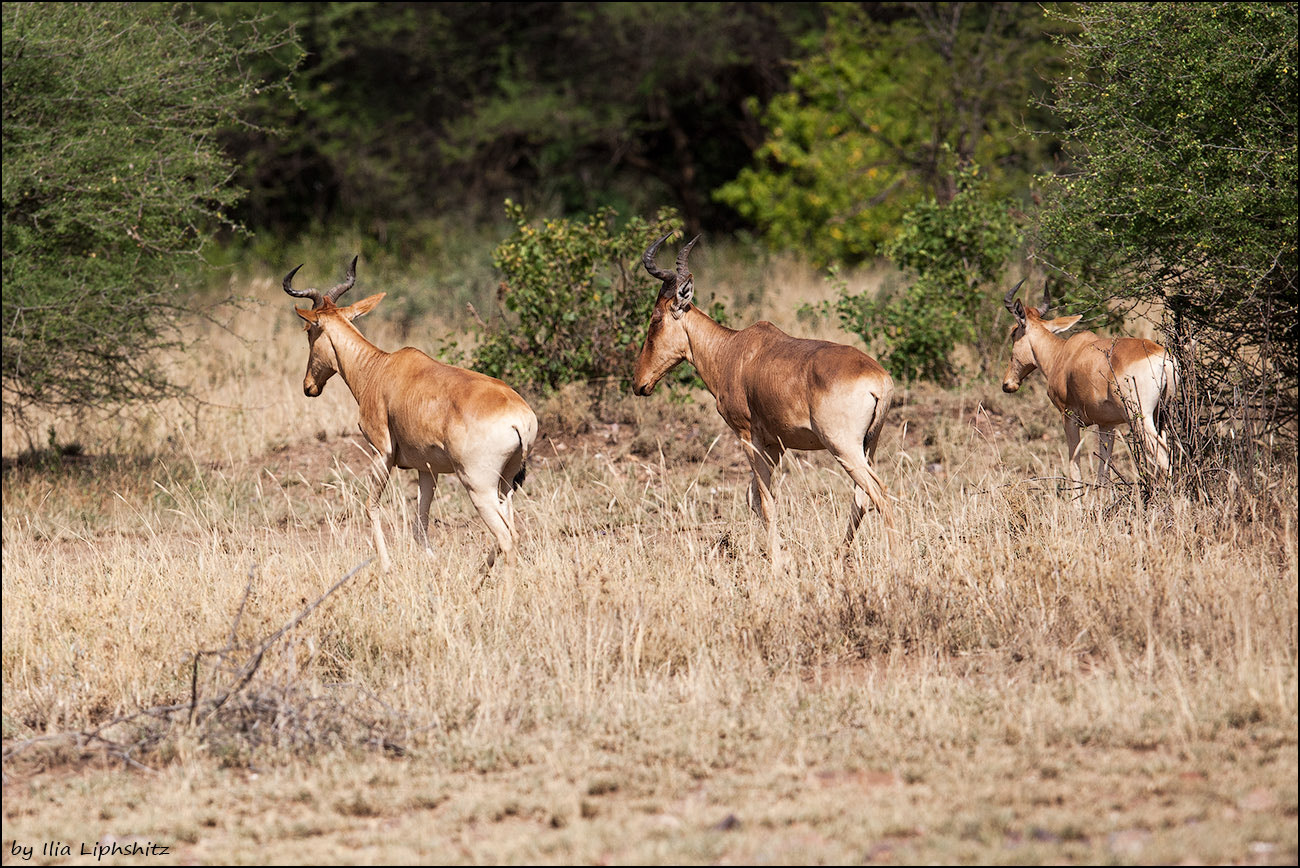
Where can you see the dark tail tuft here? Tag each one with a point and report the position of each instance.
(1161, 415)
(523, 465)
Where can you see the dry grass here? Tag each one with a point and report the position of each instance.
(1036, 680)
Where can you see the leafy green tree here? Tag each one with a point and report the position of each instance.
(1181, 130)
(413, 110)
(639, 101)
(574, 296)
(889, 101)
(955, 254)
(113, 182)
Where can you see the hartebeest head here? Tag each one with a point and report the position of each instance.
(1022, 353)
(322, 361)
(666, 345)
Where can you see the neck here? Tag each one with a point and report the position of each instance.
(1046, 345)
(707, 340)
(358, 359)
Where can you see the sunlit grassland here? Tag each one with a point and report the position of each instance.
(1032, 679)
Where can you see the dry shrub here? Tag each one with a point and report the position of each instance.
(565, 411)
(245, 698)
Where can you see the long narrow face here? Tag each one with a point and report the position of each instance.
(1022, 358)
(666, 344)
(665, 347)
(1028, 319)
(321, 362)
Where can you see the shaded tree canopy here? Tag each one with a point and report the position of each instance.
(413, 109)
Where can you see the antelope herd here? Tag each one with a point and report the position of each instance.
(775, 391)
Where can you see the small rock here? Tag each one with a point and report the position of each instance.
(727, 823)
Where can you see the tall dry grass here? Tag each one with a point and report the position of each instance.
(1001, 690)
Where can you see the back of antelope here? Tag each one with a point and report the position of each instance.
(420, 414)
(1094, 381)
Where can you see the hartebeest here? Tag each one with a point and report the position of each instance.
(420, 414)
(775, 391)
(1093, 381)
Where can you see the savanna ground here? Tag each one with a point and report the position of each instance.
(1033, 679)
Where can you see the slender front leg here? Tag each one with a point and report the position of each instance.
(1073, 445)
(762, 459)
(1106, 438)
(380, 469)
(428, 481)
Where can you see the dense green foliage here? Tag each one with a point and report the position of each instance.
(1182, 130)
(882, 112)
(954, 255)
(412, 110)
(112, 182)
(835, 130)
(576, 300)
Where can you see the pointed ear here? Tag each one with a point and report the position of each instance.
(1060, 324)
(308, 316)
(366, 305)
(1018, 311)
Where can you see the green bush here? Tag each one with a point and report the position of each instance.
(113, 182)
(1180, 136)
(882, 109)
(956, 254)
(575, 300)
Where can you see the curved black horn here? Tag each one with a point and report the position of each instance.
(348, 283)
(300, 293)
(1047, 300)
(1010, 297)
(683, 253)
(648, 260)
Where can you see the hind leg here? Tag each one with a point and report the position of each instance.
(493, 512)
(867, 487)
(428, 481)
(1155, 448)
(852, 442)
(506, 496)
(856, 510)
(1142, 401)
